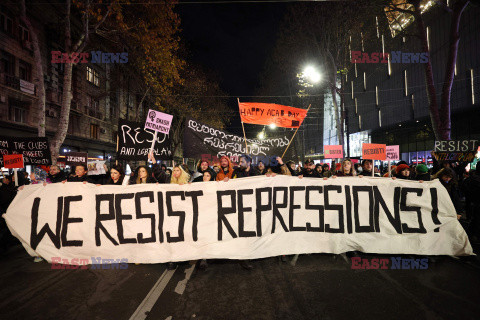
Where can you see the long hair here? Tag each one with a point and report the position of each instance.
(184, 177)
(136, 176)
(352, 168)
(120, 170)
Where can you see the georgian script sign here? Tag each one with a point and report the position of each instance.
(35, 150)
(200, 139)
(455, 150)
(134, 142)
(246, 218)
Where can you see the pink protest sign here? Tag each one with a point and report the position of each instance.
(333, 152)
(393, 153)
(158, 121)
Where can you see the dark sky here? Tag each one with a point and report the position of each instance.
(233, 40)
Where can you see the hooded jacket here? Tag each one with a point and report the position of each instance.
(228, 174)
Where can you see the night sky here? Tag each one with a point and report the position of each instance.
(234, 40)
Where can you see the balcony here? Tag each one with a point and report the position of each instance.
(17, 83)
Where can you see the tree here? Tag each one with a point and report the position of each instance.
(440, 114)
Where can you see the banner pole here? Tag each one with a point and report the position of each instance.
(116, 160)
(389, 167)
(244, 135)
(153, 142)
(295, 133)
(373, 168)
(16, 176)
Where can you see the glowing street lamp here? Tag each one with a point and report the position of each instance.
(312, 74)
(272, 126)
(261, 135)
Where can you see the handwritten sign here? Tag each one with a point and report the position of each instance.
(13, 161)
(393, 153)
(373, 151)
(158, 121)
(76, 158)
(333, 152)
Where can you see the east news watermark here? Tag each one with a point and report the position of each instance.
(59, 263)
(83, 57)
(395, 57)
(392, 263)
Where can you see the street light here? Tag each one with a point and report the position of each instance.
(312, 74)
(261, 135)
(272, 126)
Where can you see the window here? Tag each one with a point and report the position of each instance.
(25, 70)
(73, 124)
(7, 63)
(405, 82)
(376, 95)
(6, 22)
(17, 114)
(94, 131)
(92, 76)
(364, 81)
(23, 33)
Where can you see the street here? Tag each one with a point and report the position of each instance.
(319, 286)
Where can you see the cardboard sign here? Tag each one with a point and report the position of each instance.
(333, 152)
(393, 153)
(73, 159)
(373, 151)
(35, 150)
(96, 167)
(455, 146)
(269, 113)
(13, 161)
(158, 121)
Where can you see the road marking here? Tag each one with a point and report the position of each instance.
(147, 304)
(181, 285)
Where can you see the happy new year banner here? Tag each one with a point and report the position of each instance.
(240, 219)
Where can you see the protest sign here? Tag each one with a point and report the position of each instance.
(158, 121)
(73, 159)
(35, 150)
(269, 113)
(373, 151)
(393, 153)
(134, 142)
(96, 167)
(246, 218)
(455, 150)
(13, 161)
(200, 139)
(333, 152)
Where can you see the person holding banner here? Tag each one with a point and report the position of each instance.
(202, 167)
(346, 169)
(159, 172)
(245, 168)
(80, 175)
(260, 169)
(226, 169)
(422, 173)
(179, 176)
(309, 170)
(367, 167)
(141, 176)
(117, 174)
(402, 171)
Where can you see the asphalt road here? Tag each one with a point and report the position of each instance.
(319, 286)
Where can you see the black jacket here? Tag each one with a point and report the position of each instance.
(84, 178)
(59, 177)
(306, 174)
(7, 193)
(242, 173)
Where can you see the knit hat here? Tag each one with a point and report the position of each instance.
(401, 167)
(421, 168)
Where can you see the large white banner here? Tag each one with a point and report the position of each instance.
(241, 219)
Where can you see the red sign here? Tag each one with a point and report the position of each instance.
(372, 151)
(12, 161)
(333, 152)
(269, 113)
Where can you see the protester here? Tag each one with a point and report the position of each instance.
(117, 174)
(280, 168)
(226, 169)
(448, 179)
(244, 169)
(422, 173)
(80, 175)
(346, 169)
(319, 169)
(402, 171)
(169, 174)
(291, 167)
(216, 169)
(309, 170)
(163, 167)
(260, 169)
(7, 193)
(160, 175)
(202, 167)
(471, 190)
(55, 175)
(326, 173)
(367, 167)
(141, 176)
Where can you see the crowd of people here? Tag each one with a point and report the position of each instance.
(462, 186)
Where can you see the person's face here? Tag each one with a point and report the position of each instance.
(169, 172)
(446, 179)
(347, 166)
(142, 173)
(164, 168)
(204, 166)
(261, 166)
(292, 166)
(54, 170)
(243, 163)
(114, 174)
(80, 171)
(319, 169)
(216, 169)
(367, 166)
(207, 176)
(224, 163)
(310, 166)
(177, 172)
(405, 173)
